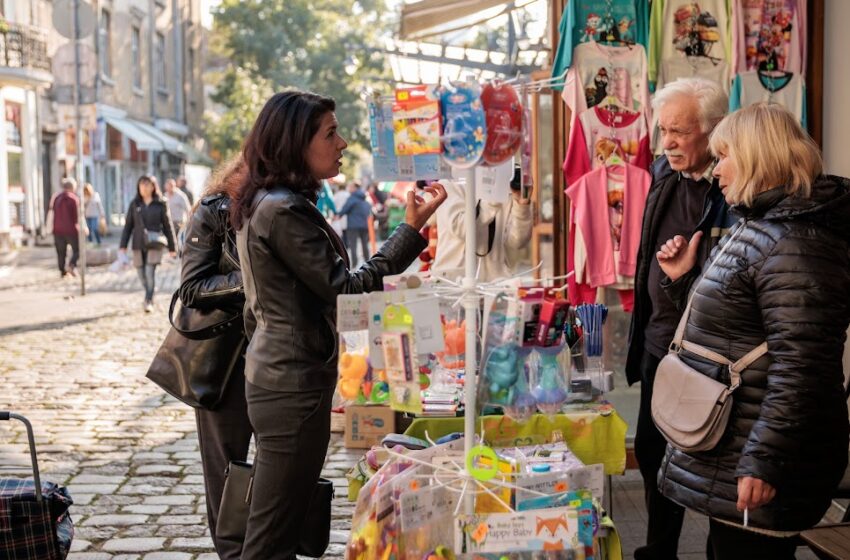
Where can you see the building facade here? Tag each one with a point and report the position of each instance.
(142, 96)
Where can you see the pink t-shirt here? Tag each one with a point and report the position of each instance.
(770, 35)
(597, 133)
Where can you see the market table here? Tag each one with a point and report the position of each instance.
(829, 541)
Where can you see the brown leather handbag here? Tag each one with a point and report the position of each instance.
(689, 408)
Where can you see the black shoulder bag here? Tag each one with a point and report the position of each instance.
(198, 355)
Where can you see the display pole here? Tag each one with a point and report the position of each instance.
(470, 306)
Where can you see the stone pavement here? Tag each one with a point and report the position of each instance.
(129, 454)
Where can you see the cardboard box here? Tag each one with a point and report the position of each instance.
(366, 426)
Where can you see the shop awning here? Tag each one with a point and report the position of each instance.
(427, 14)
(131, 129)
(169, 143)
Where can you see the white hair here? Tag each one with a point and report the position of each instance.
(712, 101)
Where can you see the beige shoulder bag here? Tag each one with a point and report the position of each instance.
(691, 409)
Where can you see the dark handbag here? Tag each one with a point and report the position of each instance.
(690, 409)
(198, 356)
(155, 240)
(236, 502)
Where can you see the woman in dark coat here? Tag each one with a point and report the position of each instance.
(783, 279)
(211, 279)
(294, 266)
(148, 212)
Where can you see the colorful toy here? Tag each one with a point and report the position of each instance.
(464, 122)
(501, 374)
(524, 404)
(504, 122)
(416, 121)
(455, 336)
(353, 368)
(549, 390)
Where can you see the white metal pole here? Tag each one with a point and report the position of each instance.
(470, 306)
(79, 163)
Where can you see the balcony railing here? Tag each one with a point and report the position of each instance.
(22, 46)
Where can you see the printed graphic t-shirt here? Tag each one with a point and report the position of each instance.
(683, 29)
(599, 70)
(610, 21)
(770, 35)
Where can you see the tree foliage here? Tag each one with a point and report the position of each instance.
(326, 46)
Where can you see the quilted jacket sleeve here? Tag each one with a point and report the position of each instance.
(201, 282)
(797, 286)
(319, 266)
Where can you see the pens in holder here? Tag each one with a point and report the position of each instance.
(746, 516)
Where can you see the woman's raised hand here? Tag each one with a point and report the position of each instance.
(678, 256)
(419, 210)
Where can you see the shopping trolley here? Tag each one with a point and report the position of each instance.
(34, 519)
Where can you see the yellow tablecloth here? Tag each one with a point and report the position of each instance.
(595, 433)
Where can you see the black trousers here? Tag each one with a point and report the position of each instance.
(731, 543)
(224, 435)
(62, 242)
(293, 430)
(665, 517)
(355, 235)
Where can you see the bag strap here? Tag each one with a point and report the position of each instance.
(199, 334)
(678, 343)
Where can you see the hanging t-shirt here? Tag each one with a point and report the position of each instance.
(788, 90)
(605, 229)
(599, 70)
(598, 133)
(683, 29)
(770, 35)
(614, 22)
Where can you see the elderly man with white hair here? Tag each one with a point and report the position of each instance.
(685, 200)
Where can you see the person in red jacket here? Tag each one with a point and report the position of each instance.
(66, 227)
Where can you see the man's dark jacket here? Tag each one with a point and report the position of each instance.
(715, 221)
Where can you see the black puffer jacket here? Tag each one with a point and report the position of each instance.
(294, 266)
(785, 279)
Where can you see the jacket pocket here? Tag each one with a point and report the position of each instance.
(314, 345)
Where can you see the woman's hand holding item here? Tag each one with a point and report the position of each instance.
(419, 210)
(753, 493)
(678, 256)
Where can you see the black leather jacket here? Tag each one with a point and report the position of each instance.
(210, 276)
(294, 267)
(784, 279)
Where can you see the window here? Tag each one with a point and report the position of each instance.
(159, 59)
(105, 36)
(136, 46)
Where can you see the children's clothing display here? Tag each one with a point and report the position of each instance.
(598, 134)
(605, 226)
(786, 89)
(599, 71)
(616, 22)
(770, 35)
(683, 29)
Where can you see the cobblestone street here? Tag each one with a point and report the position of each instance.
(129, 454)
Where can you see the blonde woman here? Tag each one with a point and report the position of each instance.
(783, 279)
(94, 212)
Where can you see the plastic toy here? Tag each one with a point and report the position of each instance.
(455, 336)
(549, 389)
(501, 375)
(353, 369)
(524, 403)
(464, 125)
(504, 122)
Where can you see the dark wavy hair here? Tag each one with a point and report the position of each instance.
(275, 150)
(157, 194)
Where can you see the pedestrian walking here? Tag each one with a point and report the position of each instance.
(183, 185)
(357, 211)
(179, 207)
(340, 223)
(94, 212)
(66, 227)
(774, 289)
(149, 223)
(290, 365)
(210, 280)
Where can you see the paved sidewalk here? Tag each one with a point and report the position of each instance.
(129, 454)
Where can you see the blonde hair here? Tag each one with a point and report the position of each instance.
(88, 190)
(769, 149)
